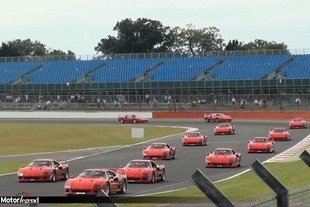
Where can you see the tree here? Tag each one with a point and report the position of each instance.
(61, 55)
(259, 44)
(20, 47)
(234, 45)
(140, 36)
(26, 48)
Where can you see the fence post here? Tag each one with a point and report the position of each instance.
(305, 156)
(273, 183)
(207, 187)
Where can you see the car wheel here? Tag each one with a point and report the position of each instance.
(238, 165)
(271, 150)
(53, 177)
(124, 187)
(66, 176)
(106, 189)
(163, 176)
(134, 121)
(121, 120)
(153, 178)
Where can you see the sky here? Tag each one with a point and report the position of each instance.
(78, 25)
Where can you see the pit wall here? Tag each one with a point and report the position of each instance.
(66, 115)
(155, 115)
(234, 115)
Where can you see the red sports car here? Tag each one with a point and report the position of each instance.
(217, 117)
(261, 144)
(194, 138)
(223, 157)
(93, 182)
(159, 151)
(279, 134)
(132, 118)
(44, 170)
(224, 128)
(297, 123)
(145, 171)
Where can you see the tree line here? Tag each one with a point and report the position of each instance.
(147, 36)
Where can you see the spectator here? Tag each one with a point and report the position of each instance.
(233, 101)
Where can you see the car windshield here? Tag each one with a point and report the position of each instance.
(222, 152)
(40, 163)
(260, 139)
(138, 164)
(297, 119)
(224, 125)
(92, 174)
(193, 134)
(278, 129)
(158, 146)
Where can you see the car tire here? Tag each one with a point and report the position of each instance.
(163, 177)
(66, 176)
(134, 121)
(106, 189)
(124, 187)
(153, 178)
(121, 120)
(53, 177)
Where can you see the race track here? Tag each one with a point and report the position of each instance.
(178, 171)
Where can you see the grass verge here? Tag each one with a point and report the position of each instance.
(20, 138)
(242, 189)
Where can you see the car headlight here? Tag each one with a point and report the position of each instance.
(67, 186)
(20, 174)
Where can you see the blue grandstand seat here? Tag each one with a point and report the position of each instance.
(245, 67)
(299, 68)
(123, 70)
(10, 71)
(183, 68)
(248, 67)
(64, 71)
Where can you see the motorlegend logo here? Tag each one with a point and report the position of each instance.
(19, 200)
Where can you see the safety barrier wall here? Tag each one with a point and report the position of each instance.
(235, 115)
(66, 115)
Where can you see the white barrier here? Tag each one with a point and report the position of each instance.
(66, 115)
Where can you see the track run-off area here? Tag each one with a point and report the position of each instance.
(178, 171)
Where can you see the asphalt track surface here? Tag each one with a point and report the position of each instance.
(178, 171)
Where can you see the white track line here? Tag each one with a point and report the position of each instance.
(303, 144)
(113, 149)
(283, 156)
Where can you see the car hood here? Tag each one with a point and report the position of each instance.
(136, 172)
(85, 183)
(35, 170)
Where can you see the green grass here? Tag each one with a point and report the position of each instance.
(244, 188)
(12, 166)
(20, 138)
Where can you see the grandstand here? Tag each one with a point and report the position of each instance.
(279, 77)
(233, 67)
